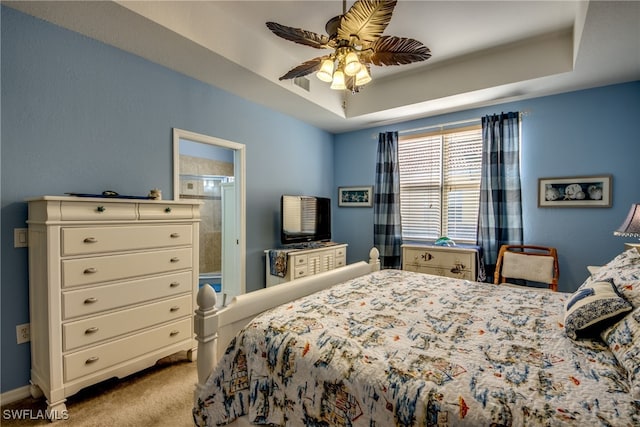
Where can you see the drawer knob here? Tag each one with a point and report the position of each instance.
(91, 360)
(175, 235)
(175, 259)
(167, 209)
(426, 256)
(90, 300)
(458, 268)
(174, 333)
(90, 270)
(174, 284)
(90, 240)
(91, 330)
(174, 308)
(101, 209)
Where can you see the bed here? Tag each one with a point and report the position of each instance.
(360, 346)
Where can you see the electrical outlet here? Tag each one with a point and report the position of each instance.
(23, 332)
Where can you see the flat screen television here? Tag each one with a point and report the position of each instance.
(305, 219)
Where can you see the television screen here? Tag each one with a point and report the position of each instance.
(305, 219)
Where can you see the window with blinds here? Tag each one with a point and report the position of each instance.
(440, 184)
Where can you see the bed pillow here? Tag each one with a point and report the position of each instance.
(624, 270)
(623, 338)
(593, 307)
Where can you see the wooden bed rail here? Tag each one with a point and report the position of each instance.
(215, 328)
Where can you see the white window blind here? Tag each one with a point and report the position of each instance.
(440, 184)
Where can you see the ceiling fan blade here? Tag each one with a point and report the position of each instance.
(297, 35)
(390, 50)
(366, 19)
(305, 68)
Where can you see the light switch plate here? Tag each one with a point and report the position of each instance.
(20, 237)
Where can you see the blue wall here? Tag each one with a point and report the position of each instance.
(588, 132)
(78, 115)
(81, 116)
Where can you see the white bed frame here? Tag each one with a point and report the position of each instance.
(215, 328)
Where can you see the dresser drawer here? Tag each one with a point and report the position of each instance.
(165, 211)
(84, 271)
(106, 355)
(99, 328)
(298, 260)
(90, 211)
(428, 257)
(81, 302)
(441, 271)
(301, 271)
(87, 240)
(340, 261)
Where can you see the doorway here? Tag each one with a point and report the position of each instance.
(211, 171)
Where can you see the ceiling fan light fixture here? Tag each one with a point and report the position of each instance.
(338, 81)
(363, 77)
(326, 71)
(352, 64)
(356, 36)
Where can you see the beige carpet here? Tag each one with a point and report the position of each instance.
(159, 396)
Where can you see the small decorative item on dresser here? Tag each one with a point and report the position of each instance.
(155, 194)
(444, 241)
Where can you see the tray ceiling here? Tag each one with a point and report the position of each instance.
(483, 52)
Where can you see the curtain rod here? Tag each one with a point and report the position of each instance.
(442, 125)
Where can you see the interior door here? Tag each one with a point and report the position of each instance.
(230, 243)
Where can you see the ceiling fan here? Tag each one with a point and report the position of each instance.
(357, 40)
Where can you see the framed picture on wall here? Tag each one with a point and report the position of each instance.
(356, 197)
(575, 192)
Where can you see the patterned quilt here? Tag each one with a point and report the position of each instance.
(396, 348)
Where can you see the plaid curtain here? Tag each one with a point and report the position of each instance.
(387, 230)
(500, 218)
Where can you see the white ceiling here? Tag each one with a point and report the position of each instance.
(483, 52)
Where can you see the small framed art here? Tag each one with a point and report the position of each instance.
(356, 197)
(575, 192)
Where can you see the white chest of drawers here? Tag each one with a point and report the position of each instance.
(307, 262)
(112, 288)
(448, 261)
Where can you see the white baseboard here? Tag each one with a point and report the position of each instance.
(14, 395)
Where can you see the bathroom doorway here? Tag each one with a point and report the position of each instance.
(211, 171)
